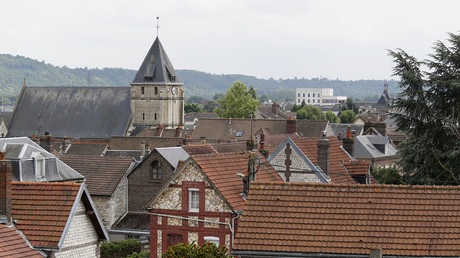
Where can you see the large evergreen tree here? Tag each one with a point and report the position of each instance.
(428, 110)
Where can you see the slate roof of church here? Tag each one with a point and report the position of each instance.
(156, 64)
(85, 112)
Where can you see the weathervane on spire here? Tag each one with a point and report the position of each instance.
(158, 26)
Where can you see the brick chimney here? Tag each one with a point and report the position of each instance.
(159, 130)
(275, 108)
(381, 127)
(46, 142)
(291, 125)
(178, 131)
(349, 142)
(323, 154)
(5, 190)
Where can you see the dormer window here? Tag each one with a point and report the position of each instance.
(173, 78)
(39, 163)
(148, 78)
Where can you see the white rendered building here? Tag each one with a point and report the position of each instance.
(318, 96)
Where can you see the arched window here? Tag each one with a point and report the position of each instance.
(156, 170)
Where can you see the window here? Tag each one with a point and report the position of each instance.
(193, 200)
(319, 101)
(313, 95)
(308, 94)
(156, 90)
(304, 95)
(39, 167)
(212, 239)
(155, 116)
(313, 100)
(143, 116)
(142, 90)
(308, 100)
(298, 95)
(318, 95)
(298, 100)
(156, 170)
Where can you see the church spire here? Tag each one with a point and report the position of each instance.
(156, 67)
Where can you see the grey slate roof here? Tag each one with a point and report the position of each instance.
(85, 112)
(21, 151)
(371, 146)
(173, 155)
(157, 66)
(343, 128)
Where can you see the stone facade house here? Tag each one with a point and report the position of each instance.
(107, 184)
(202, 201)
(318, 160)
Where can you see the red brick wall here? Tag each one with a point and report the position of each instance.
(5, 188)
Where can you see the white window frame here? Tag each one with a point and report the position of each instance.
(191, 193)
(212, 239)
(39, 167)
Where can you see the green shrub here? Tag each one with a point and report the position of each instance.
(120, 249)
(207, 250)
(143, 254)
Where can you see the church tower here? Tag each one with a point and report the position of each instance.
(157, 97)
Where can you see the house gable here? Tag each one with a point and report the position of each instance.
(302, 169)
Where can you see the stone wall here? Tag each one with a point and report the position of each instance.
(81, 239)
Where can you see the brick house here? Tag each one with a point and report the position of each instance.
(107, 184)
(330, 220)
(318, 160)
(58, 219)
(202, 201)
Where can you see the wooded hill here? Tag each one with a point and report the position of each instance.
(13, 69)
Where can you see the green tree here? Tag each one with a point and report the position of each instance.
(253, 92)
(195, 99)
(237, 102)
(347, 116)
(295, 108)
(218, 96)
(331, 117)
(302, 104)
(210, 106)
(350, 105)
(193, 107)
(390, 176)
(264, 98)
(310, 112)
(208, 250)
(428, 110)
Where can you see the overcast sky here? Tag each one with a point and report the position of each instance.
(264, 38)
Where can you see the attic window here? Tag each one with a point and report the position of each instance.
(39, 167)
(148, 78)
(173, 78)
(239, 133)
(156, 170)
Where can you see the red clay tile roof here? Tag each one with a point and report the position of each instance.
(337, 173)
(357, 167)
(230, 147)
(351, 219)
(221, 169)
(42, 210)
(199, 149)
(13, 245)
(102, 174)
